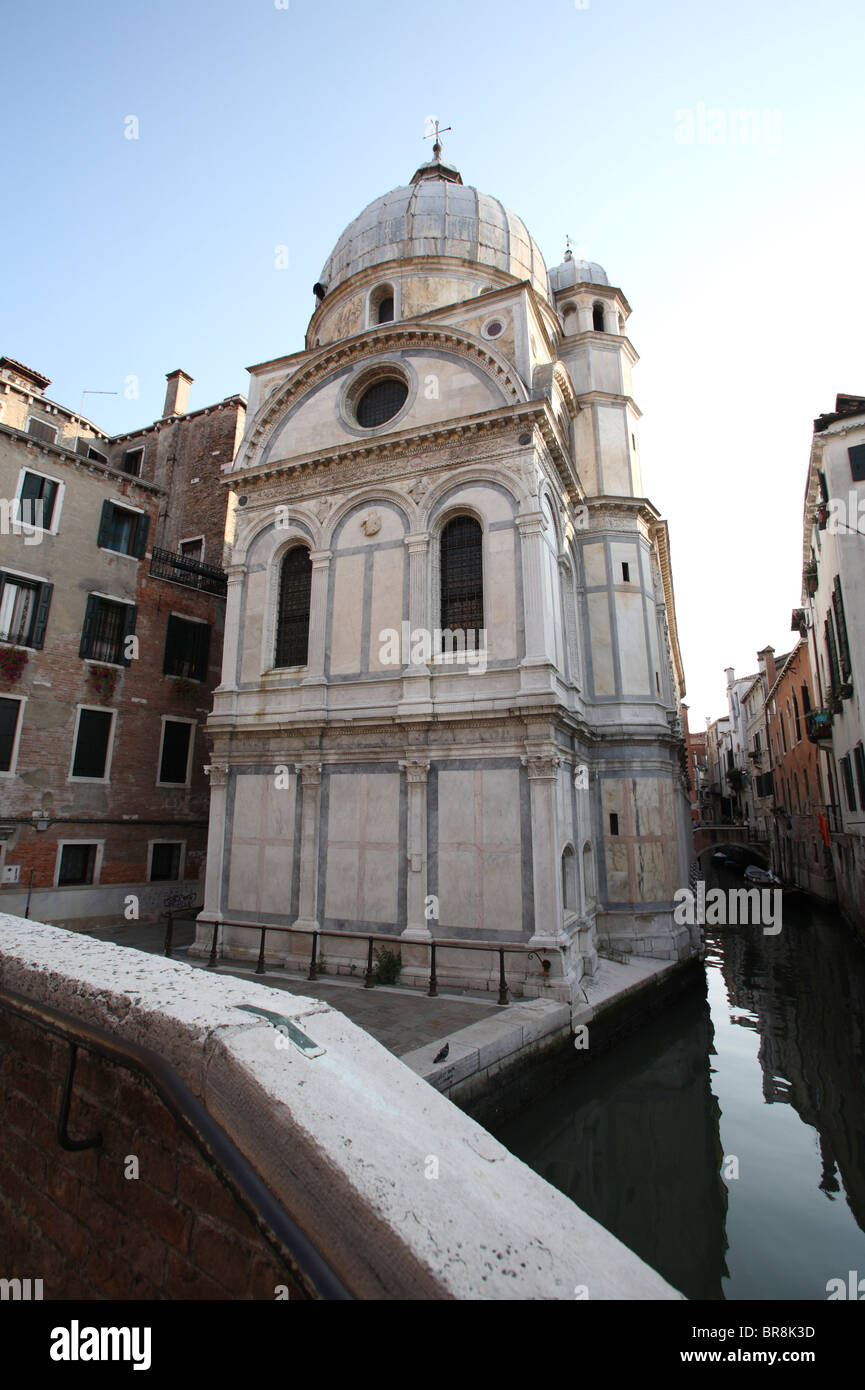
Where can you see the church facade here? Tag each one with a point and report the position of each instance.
(450, 698)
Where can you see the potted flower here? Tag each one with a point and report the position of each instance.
(105, 679)
(12, 662)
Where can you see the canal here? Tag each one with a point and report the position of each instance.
(760, 1074)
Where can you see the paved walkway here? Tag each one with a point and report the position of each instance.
(400, 1019)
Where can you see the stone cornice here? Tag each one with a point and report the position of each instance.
(80, 461)
(415, 443)
(395, 337)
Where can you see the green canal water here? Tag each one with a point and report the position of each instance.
(764, 1067)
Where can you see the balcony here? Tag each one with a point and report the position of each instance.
(818, 725)
(179, 569)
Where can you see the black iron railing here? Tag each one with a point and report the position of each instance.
(442, 943)
(219, 1151)
(180, 569)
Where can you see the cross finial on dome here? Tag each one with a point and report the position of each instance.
(569, 255)
(437, 144)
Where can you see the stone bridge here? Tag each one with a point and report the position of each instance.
(714, 837)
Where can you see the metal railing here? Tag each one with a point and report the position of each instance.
(312, 1273)
(444, 943)
(164, 564)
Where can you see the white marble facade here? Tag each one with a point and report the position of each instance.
(536, 795)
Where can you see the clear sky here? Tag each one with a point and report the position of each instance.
(270, 123)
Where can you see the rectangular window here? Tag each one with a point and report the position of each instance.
(9, 713)
(849, 790)
(614, 823)
(122, 530)
(95, 454)
(131, 462)
(42, 430)
(92, 743)
(24, 605)
(164, 862)
(832, 651)
(174, 754)
(37, 500)
(806, 699)
(193, 549)
(77, 864)
(187, 646)
(106, 627)
(626, 573)
(859, 759)
(856, 455)
(841, 629)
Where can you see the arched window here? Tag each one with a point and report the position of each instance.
(598, 318)
(569, 879)
(292, 623)
(462, 580)
(382, 304)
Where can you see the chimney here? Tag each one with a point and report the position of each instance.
(730, 673)
(176, 393)
(766, 659)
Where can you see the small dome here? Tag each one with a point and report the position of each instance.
(437, 215)
(572, 272)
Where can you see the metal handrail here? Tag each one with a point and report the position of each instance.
(446, 943)
(229, 1165)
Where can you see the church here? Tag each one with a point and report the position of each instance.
(450, 699)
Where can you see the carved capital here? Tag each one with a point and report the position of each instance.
(415, 769)
(542, 766)
(309, 773)
(217, 772)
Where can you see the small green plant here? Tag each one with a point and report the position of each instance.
(321, 964)
(388, 965)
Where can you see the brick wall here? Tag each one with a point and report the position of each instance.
(78, 1223)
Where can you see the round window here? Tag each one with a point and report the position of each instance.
(493, 329)
(381, 401)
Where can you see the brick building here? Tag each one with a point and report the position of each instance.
(695, 749)
(799, 834)
(111, 620)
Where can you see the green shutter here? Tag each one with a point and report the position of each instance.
(841, 629)
(140, 539)
(202, 651)
(41, 622)
(89, 616)
(105, 524)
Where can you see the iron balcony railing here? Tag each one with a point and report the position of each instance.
(164, 564)
(818, 725)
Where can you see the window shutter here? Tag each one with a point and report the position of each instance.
(202, 651)
(140, 541)
(833, 655)
(87, 627)
(128, 629)
(41, 621)
(105, 524)
(841, 629)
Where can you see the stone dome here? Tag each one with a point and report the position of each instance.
(573, 272)
(437, 215)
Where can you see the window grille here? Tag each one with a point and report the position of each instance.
(462, 589)
(381, 401)
(292, 625)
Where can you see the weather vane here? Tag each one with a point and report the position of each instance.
(437, 146)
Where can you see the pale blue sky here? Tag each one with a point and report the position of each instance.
(262, 127)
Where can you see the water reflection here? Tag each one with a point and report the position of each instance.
(765, 1069)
